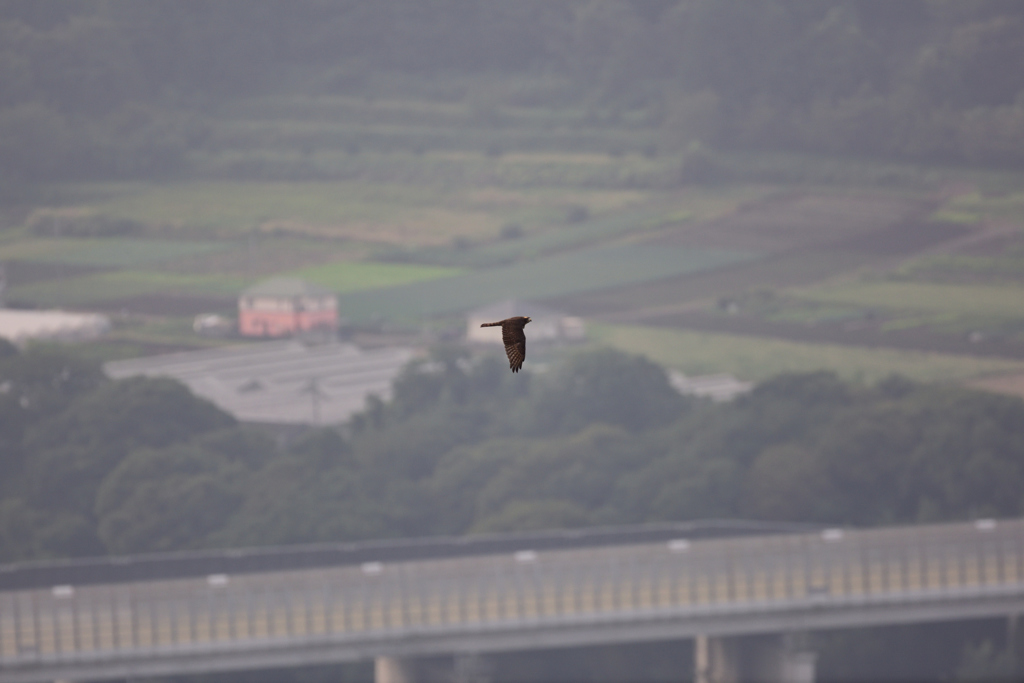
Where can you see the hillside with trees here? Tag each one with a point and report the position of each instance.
(127, 90)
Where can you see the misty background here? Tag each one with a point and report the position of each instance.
(843, 177)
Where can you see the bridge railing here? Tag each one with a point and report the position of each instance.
(375, 602)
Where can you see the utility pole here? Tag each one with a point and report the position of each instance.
(312, 389)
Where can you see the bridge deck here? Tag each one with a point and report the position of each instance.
(523, 599)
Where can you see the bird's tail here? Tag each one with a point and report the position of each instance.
(497, 324)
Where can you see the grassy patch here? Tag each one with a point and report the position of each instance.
(975, 207)
(352, 276)
(1005, 302)
(114, 285)
(811, 313)
(105, 252)
(951, 268)
(418, 207)
(409, 211)
(628, 216)
(125, 284)
(233, 207)
(550, 240)
(756, 358)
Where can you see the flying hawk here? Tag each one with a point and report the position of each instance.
(514, 338)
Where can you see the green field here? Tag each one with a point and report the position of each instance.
(422, 124)
(350, 276)
(231, 208)
(660, 211)
(104, 287)
(569, 273)
(420, 219)
(756, 359)
(399, 205)
(105, 252)
(411, 214)
(943, 268)
(97, 288)
(975, 207)
(1006, 301)
(392, 250)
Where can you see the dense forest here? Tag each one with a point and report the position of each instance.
(115, 89)
(93, 466)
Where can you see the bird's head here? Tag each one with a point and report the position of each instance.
(527, 319)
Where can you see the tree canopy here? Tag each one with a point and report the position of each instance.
(463, 445)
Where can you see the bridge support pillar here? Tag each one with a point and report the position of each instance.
(715, 660)
(1013, 635)
(394, 670)
(752, 659)
(472, 668)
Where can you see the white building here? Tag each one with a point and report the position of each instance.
(19, 327)
(719, 388)
(545, 323)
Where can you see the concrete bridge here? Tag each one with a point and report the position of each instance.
(743, 599)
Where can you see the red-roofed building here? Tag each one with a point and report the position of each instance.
(284, 306)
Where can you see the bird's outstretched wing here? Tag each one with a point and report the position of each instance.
(514, 337)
